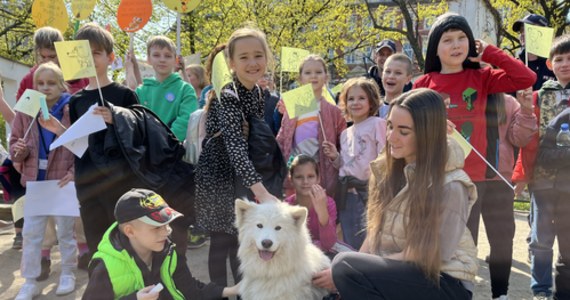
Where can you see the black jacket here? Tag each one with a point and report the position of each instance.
(150, 152)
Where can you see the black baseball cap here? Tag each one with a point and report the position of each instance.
(532, 19)
(386, 43)
(146, 206)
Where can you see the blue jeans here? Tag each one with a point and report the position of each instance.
(550, 219)
(352, 221)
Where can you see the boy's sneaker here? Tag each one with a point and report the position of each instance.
(46, 269)
(83, 261)
(502, 297)
(541, 296)
(66, 285)
(28, 291)
(196, 241)
(18, 241)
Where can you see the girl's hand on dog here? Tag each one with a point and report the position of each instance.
(230, 291)
(323, 279)
(319, 201)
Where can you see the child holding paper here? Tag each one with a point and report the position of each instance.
(29, 148)
(305, 134)
(99, 183)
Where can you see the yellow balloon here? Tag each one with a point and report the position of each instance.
(82, 8)
(50, 13)
(182, 6)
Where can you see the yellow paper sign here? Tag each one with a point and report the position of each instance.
(75, 59)
(82, 8)
(182, 6)
(300, 101)
(462, 142)
(29, 103)
(18, 209)
(50, 13)
(538, 39)
(221, 74)
(291, 58)
(337, 88)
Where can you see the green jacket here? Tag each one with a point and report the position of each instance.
(173, 100)
(124, 273)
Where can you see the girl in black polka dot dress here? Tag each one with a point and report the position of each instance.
(224, 164)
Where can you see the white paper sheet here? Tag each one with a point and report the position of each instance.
(46, 198)
(75, 137)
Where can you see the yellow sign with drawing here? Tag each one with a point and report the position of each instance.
(75, 59)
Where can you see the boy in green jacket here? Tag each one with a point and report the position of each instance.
(135, 256)
(167, 94)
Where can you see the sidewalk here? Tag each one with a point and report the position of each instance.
(10, 281)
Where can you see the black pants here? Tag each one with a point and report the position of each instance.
(362, 276)
(495, 204)
(222, 246)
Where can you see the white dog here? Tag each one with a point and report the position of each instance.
(277, 257)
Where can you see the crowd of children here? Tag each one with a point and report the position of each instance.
(392, 181)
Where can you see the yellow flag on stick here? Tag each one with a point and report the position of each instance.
(75, 59)
(462, 142)
(221, 74)
(29, 103)
(291, 58)
(300, 101)
(337, 88)
(538, 39)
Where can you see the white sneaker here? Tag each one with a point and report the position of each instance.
(28, 291)
(502, 297)
(66, 285)
(541, 296)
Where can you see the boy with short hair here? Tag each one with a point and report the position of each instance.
(135, 255)
(167, 94)
(546, 167)
(101, 174)
(396, 75)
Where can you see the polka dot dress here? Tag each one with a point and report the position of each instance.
(224, 157)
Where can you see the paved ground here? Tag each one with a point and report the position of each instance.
(10, 281)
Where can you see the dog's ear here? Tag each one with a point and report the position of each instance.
(299, 214)
(240, 209)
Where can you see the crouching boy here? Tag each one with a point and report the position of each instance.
(135, 255)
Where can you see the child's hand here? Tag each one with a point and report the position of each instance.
(524, 97)
(319, 200)
(519, 189)
(480, 46)
(450, 127)
(180, 65)
(53, 125)
(329, 149)
(230, 291)
(65, 180)
(20, 148)
(281, 107)
(105, 112)
(145, 294)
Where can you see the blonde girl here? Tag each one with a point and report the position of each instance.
(306, 134)
(224, 169)
(30, 153)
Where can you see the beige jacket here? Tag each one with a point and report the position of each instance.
(463, 264)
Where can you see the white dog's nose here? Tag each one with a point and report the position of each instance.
(267, 243)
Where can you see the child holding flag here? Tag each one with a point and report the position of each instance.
(30, 151)
(305, 134)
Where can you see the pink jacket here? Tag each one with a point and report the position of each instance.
(60, 160)
(333, 124)
(517, 131)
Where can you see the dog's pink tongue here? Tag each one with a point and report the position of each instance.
(265, 255)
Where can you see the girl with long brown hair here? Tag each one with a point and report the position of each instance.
(417, 244)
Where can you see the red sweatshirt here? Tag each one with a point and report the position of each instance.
(468, 90)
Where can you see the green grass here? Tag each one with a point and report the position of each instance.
(522, 206)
